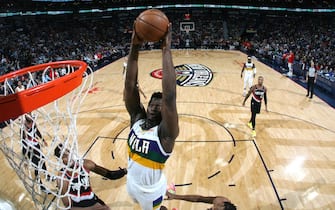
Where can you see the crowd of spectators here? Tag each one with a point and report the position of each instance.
(28, 41)
(99, 40)
(35, 40)
(310, 37)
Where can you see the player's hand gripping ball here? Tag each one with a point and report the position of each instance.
(151, 25)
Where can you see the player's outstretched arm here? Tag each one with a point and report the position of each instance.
(190, 198)
(117, 174)
(169, 128)
(131, 92)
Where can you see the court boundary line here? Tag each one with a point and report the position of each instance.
(269, 175)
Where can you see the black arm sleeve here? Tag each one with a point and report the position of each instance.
(38, 133)
(265, 99)
(115, 174)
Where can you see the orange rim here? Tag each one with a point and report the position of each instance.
(16, 104)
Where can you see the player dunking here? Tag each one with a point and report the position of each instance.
(258, 92)
(153, 132)
(249, 70)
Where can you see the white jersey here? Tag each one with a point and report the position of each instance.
(249, 68)
(146, 183)
(146, 155)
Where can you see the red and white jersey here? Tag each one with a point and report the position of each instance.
(80, 188)
(30, 136)
(258, 93)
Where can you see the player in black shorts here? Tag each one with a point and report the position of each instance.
(258, 92)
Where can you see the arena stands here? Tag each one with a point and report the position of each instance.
(100, 38)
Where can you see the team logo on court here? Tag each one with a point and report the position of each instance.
(189, 75)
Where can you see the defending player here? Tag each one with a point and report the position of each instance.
(258, 92)
(80, 191)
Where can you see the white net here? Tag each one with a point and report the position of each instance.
(28, 142)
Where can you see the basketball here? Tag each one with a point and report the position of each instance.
(151, 25)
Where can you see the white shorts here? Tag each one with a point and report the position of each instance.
(248, 79)
(149, 197)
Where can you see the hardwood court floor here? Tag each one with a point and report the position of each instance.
(290, 164)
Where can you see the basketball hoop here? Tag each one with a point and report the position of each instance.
(55, 91)
(187, 26)
(39, 95)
